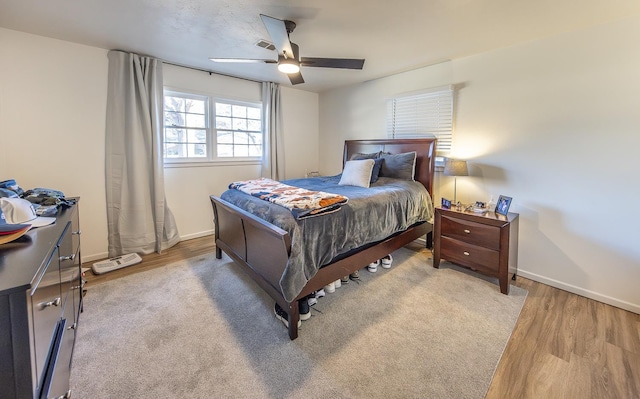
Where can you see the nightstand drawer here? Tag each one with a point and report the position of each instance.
(469, 255)
(471, 232)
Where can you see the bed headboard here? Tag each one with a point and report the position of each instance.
(425, 149)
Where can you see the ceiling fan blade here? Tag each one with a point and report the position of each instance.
(279, 36)
(243, 60)
(345, 63)
(295, 78)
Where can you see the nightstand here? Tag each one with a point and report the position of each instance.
(487, 243)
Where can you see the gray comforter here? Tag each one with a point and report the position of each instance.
(371, 214)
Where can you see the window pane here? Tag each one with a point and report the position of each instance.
(195, 106)
(225, 137)
(175, 104)
(223, 109)
(225, 150)
(239, 124)
(253, 113)
(173, 119)
(241, 150)
(254, 126)
(175, 150)
(197, 136)
(255, 138)
(172, 135)
(239, 111)
(223, 123)
(195, 120)
(197, 150)
(255, 150)
(240, 138)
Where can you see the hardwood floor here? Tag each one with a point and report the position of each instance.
(567, 346)
(563, 345)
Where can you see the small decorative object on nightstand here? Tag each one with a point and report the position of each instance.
(446, 204)
(503, 205)
(486, 243)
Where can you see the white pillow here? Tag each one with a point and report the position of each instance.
(357, 173)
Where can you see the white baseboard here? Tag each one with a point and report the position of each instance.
(104, 255)
(631, 307)
(98, 256)
(196, 235)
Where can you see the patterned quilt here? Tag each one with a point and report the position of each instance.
(301, 202)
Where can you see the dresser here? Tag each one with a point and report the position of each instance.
(487, 243)
(40, 303)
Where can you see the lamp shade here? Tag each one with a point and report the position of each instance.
(455, 167)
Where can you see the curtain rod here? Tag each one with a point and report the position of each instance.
(210, 72)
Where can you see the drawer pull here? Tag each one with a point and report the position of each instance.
(72, 327)
(44, 305)
(467, 231)
(466, 253)
(70, 257)
(76, 232)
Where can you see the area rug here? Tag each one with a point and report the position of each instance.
(200, 328)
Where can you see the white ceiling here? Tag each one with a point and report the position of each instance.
(393, 36)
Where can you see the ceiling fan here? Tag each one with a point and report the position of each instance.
(289, 60)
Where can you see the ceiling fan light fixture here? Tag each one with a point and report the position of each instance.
(288, 65)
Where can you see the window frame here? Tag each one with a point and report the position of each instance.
(212, 158)
(207, 128)
(231, 102)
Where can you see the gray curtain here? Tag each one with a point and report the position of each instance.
(273, 148)
(138, 217)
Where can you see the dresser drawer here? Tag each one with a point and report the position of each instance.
(471, 232)
(46, 308)
(469, 255)
(55, 383)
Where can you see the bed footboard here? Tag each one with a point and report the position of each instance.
(260, 247)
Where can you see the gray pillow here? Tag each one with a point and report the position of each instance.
(375, 172)
(359, 155)
(399, 166)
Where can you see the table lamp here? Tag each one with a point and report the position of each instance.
(455, 168)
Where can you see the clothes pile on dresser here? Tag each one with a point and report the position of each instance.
(22, 210)
(45, 201)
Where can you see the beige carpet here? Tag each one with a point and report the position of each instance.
(201, 329)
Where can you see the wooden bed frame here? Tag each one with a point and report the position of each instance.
(263, 249)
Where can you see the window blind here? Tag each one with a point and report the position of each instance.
(423, 114)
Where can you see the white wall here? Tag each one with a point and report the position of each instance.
(553, 123)
(301, 129)
(53, 105)
(52, 118)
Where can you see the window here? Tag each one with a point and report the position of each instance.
(199, 128)
(185, 126)
(238, 130)
(423, 114)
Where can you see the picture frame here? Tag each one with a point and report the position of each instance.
(503, 204)
(445, 203)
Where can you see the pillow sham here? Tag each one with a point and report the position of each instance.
(360, 155)
(357, 173)
(399, 166)
(375, 172)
